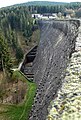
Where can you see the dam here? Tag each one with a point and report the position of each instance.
(57, 43)
(67, 104)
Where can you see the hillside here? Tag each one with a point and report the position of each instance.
(18, 34)
(47, 3)
(42, 3)
(16, 26)
(50, 7)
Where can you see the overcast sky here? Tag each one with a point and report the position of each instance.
(4, 3)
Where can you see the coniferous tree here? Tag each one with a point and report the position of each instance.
(5, 63)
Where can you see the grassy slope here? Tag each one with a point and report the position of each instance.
(20, 111)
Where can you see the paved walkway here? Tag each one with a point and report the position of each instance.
(67, 104)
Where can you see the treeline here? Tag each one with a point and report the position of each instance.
(55, 8)
(46, 9)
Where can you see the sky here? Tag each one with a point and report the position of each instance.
(4, 3)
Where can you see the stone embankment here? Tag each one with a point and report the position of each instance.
(67, 104)
(57, 42)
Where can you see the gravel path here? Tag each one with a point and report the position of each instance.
(67, 104)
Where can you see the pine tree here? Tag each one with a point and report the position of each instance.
(5, 61)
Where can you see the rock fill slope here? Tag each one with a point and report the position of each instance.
(57, 42)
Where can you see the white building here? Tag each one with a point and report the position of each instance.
(47, 17)
(37, 16)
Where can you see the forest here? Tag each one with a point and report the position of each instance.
(50, 7)
(54, 8)
(13, 22)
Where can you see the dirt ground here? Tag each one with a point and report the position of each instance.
(13, 92)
